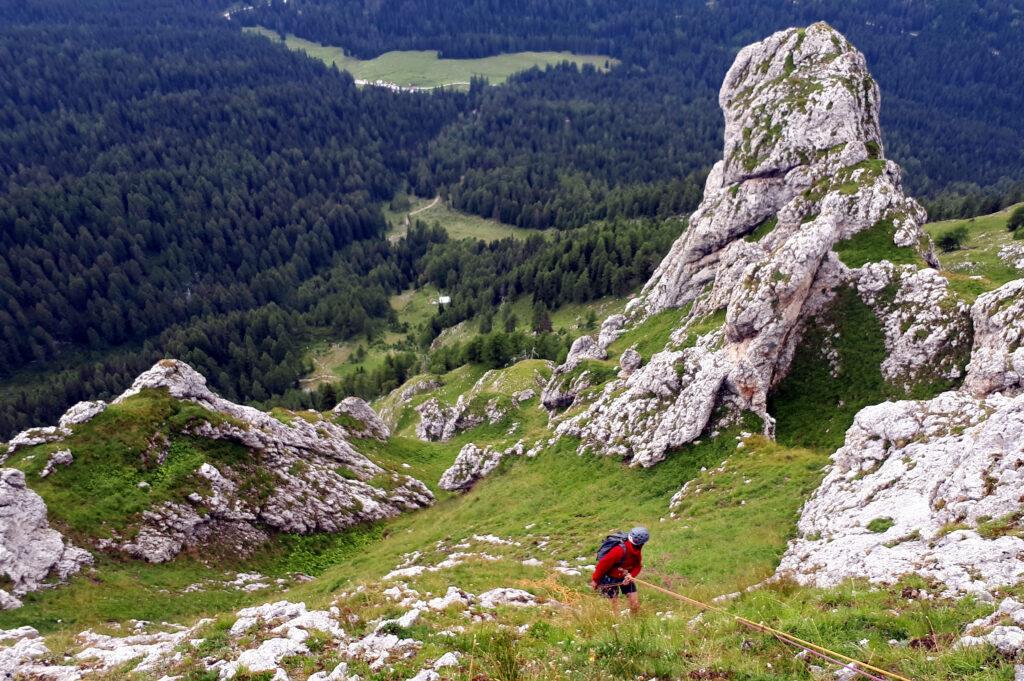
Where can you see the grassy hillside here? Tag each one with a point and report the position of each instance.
(976, 267)
(424, 69)
(726, 533)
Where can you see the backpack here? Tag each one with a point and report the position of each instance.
(610, 542)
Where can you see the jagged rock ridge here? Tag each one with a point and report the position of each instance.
(802, 183)
(302, 475)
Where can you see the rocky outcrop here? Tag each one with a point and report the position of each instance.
(305, 476)
(492, 397)
(912, 491)
(61, 457)
(82, 412)
(630, 361)
(302, 475)
(997, 361)
(391, 408)
(927, 328)
(930, 487)
(440, 423)
(30, 551)
(1003, 630)
(803, 184)
(474, 463)
(361, 420)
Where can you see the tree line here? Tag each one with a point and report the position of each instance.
(554, 146)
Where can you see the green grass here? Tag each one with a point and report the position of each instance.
(763, 229)
(652, 335)
(99, 493)
(117, 591)
(874, 244)
(976, 267)
(816, 403)
(814, 408)
(728, 533)
(457, 224)
(423, 69)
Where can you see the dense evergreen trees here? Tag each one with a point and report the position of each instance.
(170, 186)
(611, 258)
(595, 146)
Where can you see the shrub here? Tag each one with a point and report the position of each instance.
(1016, 221)
(954, 239)
(879, 525)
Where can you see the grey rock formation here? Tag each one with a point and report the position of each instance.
(440, 423)
(391, 409)
(630, 361)
(78, 413)
(362, 413)
(927, 328)
(907, 492)
(61, 457)
(564, 388)
(308, 477)
(81, 412)
(997, 360)
(915, 479)
(470, 465)
(33, 437)
(1003, 630)
(584, 347)
(30, 551)
(490, 400)
(802, 173)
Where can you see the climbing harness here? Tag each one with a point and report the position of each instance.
(831, 656)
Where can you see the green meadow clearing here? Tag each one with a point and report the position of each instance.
(425, 69)
(459, 225)
(976, 268)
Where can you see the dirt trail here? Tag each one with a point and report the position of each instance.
(426, 207)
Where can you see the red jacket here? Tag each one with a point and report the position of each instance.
(620, 560)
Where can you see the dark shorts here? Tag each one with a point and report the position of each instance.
(613, 591)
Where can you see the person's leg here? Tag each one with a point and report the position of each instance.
(634, 602)
(615, 601)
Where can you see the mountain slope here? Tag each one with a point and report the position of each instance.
(490, 581)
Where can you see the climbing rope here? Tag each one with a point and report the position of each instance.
(854, 665)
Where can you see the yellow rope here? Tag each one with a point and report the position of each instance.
(765, 628)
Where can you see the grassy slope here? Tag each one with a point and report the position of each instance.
(976, 268)
(459, 225)
(425, 69)
(99, 494)
(727, 534)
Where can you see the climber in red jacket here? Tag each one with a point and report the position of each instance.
(619, 561)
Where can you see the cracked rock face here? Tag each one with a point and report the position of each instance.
(487, 401)
(474, 463)
(305, 460)
(368, 423)
(908, 492)
(802, 173)
(439, 423)
(927, 329)
(930, 487)
(997, 361)
(30, 551)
